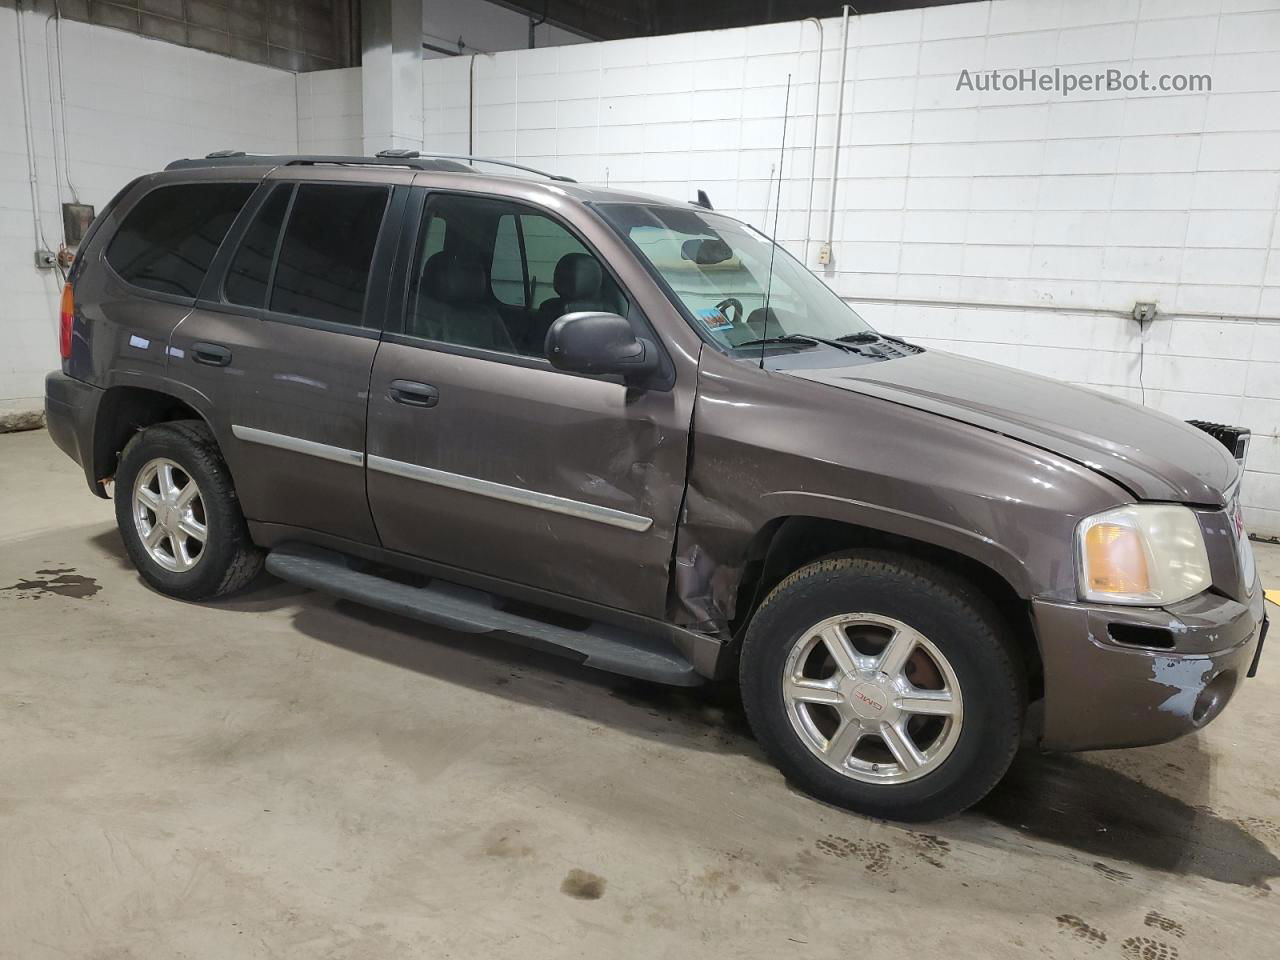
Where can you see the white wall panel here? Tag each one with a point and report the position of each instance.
(132, 105)
(1049, 204)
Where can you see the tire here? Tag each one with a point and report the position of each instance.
(961, 653)
(179, 564)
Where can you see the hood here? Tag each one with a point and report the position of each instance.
(1154, 456)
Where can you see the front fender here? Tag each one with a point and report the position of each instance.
(769, 446)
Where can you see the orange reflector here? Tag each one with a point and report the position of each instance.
(1115, 560)
(66, 318)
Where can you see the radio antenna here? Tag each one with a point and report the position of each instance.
(773, 250)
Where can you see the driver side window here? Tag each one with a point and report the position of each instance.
(494, 275)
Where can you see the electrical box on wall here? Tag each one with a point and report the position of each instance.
(824, 255)
(76, 218)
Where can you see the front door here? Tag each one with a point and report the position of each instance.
(482, 456)
(282, 343)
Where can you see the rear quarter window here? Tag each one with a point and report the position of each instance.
(167, 241)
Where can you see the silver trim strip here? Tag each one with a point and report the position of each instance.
(518, 495)
(283, 441)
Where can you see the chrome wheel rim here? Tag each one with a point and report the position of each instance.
(169, 514)
(872, 698)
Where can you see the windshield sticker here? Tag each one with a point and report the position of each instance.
(714, 319)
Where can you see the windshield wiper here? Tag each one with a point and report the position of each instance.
(862, 336)
(805, 338)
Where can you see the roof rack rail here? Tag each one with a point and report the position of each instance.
(238, 158)
(439, 162)
(401, 154)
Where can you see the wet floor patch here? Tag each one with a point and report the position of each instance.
(1118, 820)
(582, 885)
(54, 581)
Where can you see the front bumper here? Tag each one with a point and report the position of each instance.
(70, 409)
(1100, 693)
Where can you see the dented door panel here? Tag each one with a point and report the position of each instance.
(566, 483)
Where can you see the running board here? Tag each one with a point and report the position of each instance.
(603, 646)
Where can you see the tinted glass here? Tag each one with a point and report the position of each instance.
(168, 239)
(507, 271)
(250, 270)
(322, 270)
(546, 242)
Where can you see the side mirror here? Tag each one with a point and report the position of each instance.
(600, 343)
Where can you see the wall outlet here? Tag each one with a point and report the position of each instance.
(1144, 313)
(824, 255)
(45, 259)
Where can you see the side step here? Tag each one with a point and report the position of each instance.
(603, 646)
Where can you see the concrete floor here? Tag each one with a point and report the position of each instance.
(282, 775)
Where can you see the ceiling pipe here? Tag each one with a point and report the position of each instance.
(813, 151)
(835, 155)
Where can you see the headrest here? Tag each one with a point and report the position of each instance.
(578, 277)
(452, 280)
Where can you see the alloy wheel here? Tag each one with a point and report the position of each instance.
(169, 514)
(872, 698)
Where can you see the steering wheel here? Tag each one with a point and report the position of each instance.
(724, 305)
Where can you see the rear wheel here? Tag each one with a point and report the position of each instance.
(883, 684)
(178, 514)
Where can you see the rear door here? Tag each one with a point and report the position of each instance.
(281, 343)
(137, 283)
(484, 458)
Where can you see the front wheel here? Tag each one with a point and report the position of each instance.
(179, 516)
(885, 685)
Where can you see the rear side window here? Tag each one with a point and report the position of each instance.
(322, 269)
(250, 270)
(167, 241)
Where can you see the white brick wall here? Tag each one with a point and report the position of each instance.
(330, 113)
(1065, 210)
(133, 105)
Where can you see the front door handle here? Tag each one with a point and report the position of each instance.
(413, 393)
(213, 354)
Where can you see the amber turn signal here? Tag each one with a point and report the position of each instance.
(1115, 560)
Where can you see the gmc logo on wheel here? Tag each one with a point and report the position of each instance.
(868, 701)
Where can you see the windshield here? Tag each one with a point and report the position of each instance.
(719, 269)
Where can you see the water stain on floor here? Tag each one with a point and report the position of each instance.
(55, 581)
(1105, 814)
(582, 885)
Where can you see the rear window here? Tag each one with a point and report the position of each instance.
(168, 239)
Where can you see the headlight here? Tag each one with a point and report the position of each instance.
(1144, 553)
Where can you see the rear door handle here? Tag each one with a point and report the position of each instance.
(413, 393)
(213, 354)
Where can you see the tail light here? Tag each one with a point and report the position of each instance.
(66, 318)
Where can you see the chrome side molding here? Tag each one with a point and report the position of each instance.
(518, 495)
(283, 441)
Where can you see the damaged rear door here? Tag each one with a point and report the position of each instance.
(484, 458)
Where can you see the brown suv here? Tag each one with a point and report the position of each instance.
(637, 433)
